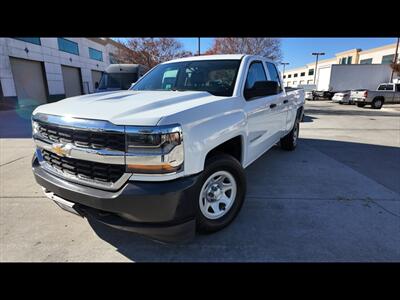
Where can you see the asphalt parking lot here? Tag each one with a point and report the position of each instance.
(336, 198)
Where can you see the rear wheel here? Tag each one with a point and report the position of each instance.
(377, 103)
(289, 141)
(221, 191)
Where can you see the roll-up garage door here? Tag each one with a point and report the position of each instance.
(96, 76)
(29, 81)
(72, 81)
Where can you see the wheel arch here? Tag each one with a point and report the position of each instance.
(233, 146)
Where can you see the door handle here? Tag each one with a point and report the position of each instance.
(272, 105)
(285, 101)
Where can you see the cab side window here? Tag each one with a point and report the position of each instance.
(256, 73)
(257, 85)
(273, 72)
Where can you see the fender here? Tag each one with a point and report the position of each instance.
(208, 126)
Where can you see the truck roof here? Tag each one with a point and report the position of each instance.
(209, 57)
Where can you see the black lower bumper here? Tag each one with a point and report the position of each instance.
(163, 211)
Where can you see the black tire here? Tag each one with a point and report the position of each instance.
(220, 162)
(289, 141)
(360, 104)
(377, 103)
(340, 102)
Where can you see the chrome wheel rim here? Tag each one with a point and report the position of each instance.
(217, 195)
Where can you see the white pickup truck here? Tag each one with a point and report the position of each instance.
(166, 157)
(388, 93)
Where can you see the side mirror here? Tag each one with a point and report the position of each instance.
(96, 85)
(262, 89)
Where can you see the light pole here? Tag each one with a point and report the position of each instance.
(317, 54)
(395, 59)
(284, 65)
(198, 45)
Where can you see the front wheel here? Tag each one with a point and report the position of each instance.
(289, 141)
(221, 191)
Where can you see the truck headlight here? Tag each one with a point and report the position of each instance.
(35, 128)
(154, 150)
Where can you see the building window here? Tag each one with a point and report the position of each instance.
(344, 61)
(295, 75)
(32, 40)
(284, 76)
(309, 81)
(289, 76)
(95, 54)
(303, 74)
(367, 61)
(311, 72)
(68, 46)
(349, 60)
(387, 59)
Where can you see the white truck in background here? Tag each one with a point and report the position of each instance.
(167, 156)
(388, 93)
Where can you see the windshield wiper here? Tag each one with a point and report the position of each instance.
(178, 90)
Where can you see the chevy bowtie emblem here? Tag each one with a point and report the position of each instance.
(61, 149)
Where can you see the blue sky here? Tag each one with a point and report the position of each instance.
(297, 51)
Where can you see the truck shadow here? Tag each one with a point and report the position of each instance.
(308, 119)
(292, 210)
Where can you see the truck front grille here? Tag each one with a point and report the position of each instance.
(84, 169)
(82, 138)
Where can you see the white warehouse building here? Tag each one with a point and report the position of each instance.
(305, 75)
(34, 71)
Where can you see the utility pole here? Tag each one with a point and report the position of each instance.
(395, 59)
(198, 45)
(284, 65)
(317, 54)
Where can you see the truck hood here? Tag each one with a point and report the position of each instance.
(144, 108)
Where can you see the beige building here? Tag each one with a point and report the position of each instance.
(305, 74)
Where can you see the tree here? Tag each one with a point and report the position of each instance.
(151, 51)
(266, 47)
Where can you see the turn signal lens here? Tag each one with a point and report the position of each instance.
(151, 169)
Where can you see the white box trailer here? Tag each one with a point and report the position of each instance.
(336, 78)
(323, 78)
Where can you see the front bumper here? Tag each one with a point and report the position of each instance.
(163, 211)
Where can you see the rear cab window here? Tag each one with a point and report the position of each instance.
(273, 73)
(385, 87)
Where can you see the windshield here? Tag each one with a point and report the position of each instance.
(120, 81)
(217, 77)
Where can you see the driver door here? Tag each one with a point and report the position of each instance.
(263, 118)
